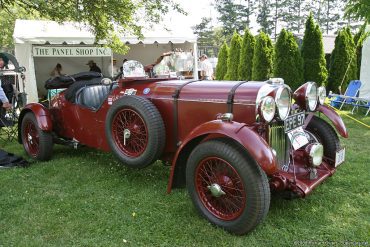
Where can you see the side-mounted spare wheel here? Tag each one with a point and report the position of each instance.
(227, 186)
(135, 131)
(37, 143)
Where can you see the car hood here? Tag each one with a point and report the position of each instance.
(217, 91)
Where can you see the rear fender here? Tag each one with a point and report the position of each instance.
(335, 119)
(42, 115)
(254, 144)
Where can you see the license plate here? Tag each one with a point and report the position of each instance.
(297, 138)
(294, 121)
(340, 156)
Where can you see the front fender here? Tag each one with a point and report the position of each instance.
(335, 119)
(255, 145)
(42, 115)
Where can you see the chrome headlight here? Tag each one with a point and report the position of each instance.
(315, 152)
(311, 96)
(322, 94)
(283, 102)
(267, 108)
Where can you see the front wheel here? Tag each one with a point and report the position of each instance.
(37, 143)
(320, 131)
(227, 186)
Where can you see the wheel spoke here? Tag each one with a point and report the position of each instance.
(137, 140)
(31, 138)
(220, 188)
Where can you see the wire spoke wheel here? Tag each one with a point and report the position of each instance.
(220, 188)
(135, 131)
(130, 132)
(36, 142)
(227, 186)
(31, 138)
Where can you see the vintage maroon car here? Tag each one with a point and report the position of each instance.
(229, 142)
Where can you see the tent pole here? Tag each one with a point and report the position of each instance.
(195, 56)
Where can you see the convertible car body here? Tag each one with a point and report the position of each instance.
(228, 142)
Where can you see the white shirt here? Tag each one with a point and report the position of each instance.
(3, 97)
(206, 66)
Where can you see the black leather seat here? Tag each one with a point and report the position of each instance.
(93, 96)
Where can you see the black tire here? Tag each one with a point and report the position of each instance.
(142, 120)
(37, 143)
(246, 201)
(319, 129)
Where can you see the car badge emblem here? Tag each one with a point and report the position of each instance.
(146, 90)
(130, 91)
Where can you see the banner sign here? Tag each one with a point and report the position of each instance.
(66, 51)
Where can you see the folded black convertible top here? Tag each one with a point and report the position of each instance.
(65, 81)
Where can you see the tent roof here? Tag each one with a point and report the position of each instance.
(51, 32)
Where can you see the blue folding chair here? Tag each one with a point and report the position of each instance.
(348, 98)
(361, 102)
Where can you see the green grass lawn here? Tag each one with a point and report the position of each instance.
(86, 198)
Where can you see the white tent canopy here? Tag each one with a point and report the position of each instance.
(365, 68)
(64, 41)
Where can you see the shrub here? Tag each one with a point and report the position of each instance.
(262, 58)
(221, 67)
(246, 56)
(314, 65)
(288, 61)
(234, 58)
(343, 64)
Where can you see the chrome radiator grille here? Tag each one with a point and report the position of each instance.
(279, 141)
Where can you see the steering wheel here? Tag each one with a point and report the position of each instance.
(117, 76)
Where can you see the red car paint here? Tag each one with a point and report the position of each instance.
(198, 106)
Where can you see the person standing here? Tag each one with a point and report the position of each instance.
(5, 81)
(93, 66)
(123, 62)
(57, 71)
(3, 95)
(206, 69)
(112, 68)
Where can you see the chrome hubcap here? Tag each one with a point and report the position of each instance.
(29, 137)
(216, 190)
(126, 135)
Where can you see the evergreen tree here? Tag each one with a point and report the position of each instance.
(314, 65)
(205, 36)
(288, 61)
(234, 16)
(264, 17)
(246, 56)
(249, 10)
(343, 65)
(359, 39)
(262, 58)
(352, 69)
(221, 67)
(234, 58)
(293, 15)
(279, 7)
(331, 15)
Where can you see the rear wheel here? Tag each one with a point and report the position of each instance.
(227, 186)
(320, 131)
(36, 142)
